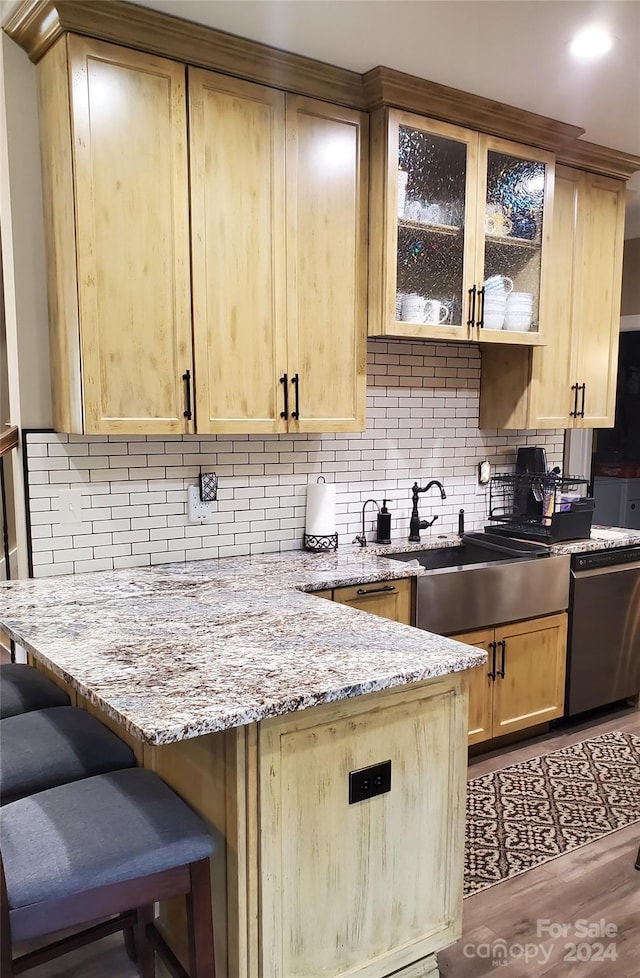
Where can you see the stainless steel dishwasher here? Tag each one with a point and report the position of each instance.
(603, 663)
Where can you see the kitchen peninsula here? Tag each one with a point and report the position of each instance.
(257, 702)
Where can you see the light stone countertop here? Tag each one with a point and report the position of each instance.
(179, 650)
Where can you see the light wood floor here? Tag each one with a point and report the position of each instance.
(595, 882)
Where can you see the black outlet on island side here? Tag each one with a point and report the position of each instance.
(368, 782)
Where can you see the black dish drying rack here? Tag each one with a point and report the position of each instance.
(541, 507)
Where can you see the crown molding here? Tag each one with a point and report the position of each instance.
(36, 24)
(386, 87)
(599, 159)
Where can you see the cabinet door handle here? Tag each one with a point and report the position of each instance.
(295, 380)
(285, 386)
(481, 307)
(503, 646)
(472, 306)
(574, 413)
(492, 672)
(584, 388)
(387, 589)
(187, 413)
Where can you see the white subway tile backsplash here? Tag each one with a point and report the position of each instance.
(422, 411)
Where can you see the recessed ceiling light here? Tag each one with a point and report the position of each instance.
(592, 42)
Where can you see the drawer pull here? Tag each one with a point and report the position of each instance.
(387, 589)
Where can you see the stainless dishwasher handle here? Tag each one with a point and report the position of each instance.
(387, 589)
(601, 571)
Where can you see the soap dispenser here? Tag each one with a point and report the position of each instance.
(383, 534)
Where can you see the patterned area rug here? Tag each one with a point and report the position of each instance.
(532, 812)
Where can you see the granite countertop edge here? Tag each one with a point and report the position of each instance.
(179, 650)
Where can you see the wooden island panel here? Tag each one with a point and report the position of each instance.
(296, 863)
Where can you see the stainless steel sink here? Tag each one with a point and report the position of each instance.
(476, 585)
(457, 556)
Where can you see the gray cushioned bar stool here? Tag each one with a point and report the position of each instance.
(23, 688)
(46, 748)
(109, 845)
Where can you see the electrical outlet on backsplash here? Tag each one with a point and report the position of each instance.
(422, 424)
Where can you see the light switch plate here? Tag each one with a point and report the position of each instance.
(198, 511)
(70, 506)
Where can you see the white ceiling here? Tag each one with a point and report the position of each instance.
(515, 51)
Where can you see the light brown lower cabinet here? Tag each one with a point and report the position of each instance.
(305, 883)
(388, 599)
(523, 681)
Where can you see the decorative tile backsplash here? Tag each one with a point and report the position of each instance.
(422, 423)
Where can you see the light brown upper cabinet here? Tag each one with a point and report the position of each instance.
(571, 383)
(117, 223)
(459, 231)
(279, 200)
(275, 189)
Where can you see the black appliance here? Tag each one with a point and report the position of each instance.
(603, 663)
(530, 461)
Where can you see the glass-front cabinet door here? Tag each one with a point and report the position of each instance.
(515, 185)
(458, 224)
(423, 207)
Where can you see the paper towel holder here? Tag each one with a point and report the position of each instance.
(320, 542)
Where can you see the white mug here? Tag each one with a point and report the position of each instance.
(413, 307)
(498, 283)
(436, 312)
(431, 213)
(413, 210)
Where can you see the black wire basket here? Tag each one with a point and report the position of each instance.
(544, 507)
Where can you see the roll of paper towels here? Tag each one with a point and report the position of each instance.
(321, 509)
